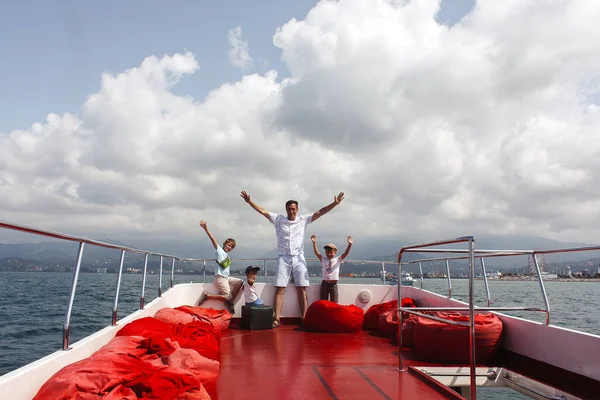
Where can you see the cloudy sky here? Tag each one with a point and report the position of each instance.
(437, 119)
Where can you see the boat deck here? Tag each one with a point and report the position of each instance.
(290, 363)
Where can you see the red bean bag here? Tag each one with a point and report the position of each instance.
(174, 316)
(197, 335)
(120, 377)
(205, 369)
(194, 395)
(371, 320)
(327, 316)
(124, 345)
(163, 350)
(220, 319)
(408, 302)
(388, 323)
(147, 349)
(440, 342)
(408, 332)
(146, 327)
(374, 312)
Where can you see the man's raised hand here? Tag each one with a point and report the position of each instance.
(203, 224)
(349, 240)
(245, 196)
(314, 238)
(338, 199)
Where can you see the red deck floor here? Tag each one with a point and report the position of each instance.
(289, 363)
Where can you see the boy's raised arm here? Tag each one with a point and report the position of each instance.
(350, 241)
(336, 200)
(210, 236)
(315, 249)
(258, 208)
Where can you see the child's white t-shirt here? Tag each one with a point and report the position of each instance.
(331, 268)
(250, 293)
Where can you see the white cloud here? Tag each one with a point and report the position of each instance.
(431, 131)
(239, 54)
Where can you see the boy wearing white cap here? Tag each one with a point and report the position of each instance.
(331, 268)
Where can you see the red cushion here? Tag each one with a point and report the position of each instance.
(441, 342)
(327, 316)
(220, 319)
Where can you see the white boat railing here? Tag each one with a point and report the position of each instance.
(417, 311)
(82, 242)
(488, 253)
(125, 249)
(472, 255)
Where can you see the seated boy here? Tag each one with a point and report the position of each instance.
(331, 268)
(228, 286)
(250, 294)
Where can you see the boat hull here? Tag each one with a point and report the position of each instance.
(558, 350)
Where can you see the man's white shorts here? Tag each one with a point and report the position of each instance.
(287, 265)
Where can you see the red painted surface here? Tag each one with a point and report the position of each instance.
(290, 363)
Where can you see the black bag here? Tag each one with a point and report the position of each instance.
(256, 318)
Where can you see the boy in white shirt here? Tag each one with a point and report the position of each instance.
(228, 286)
(250, 294)
(331, 268)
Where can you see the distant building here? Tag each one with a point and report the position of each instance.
(548, 275)
(585, 273)
(494, 275)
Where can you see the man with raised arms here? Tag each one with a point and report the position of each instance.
(290, 249)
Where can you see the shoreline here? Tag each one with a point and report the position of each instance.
(530, 279)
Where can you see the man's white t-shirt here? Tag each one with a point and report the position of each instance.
(331, 268)
(290, 234)
(223, 262)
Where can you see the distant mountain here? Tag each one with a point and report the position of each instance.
(382, 250)
(56, 251)
(501, 242)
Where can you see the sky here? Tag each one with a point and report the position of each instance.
(132, 121)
